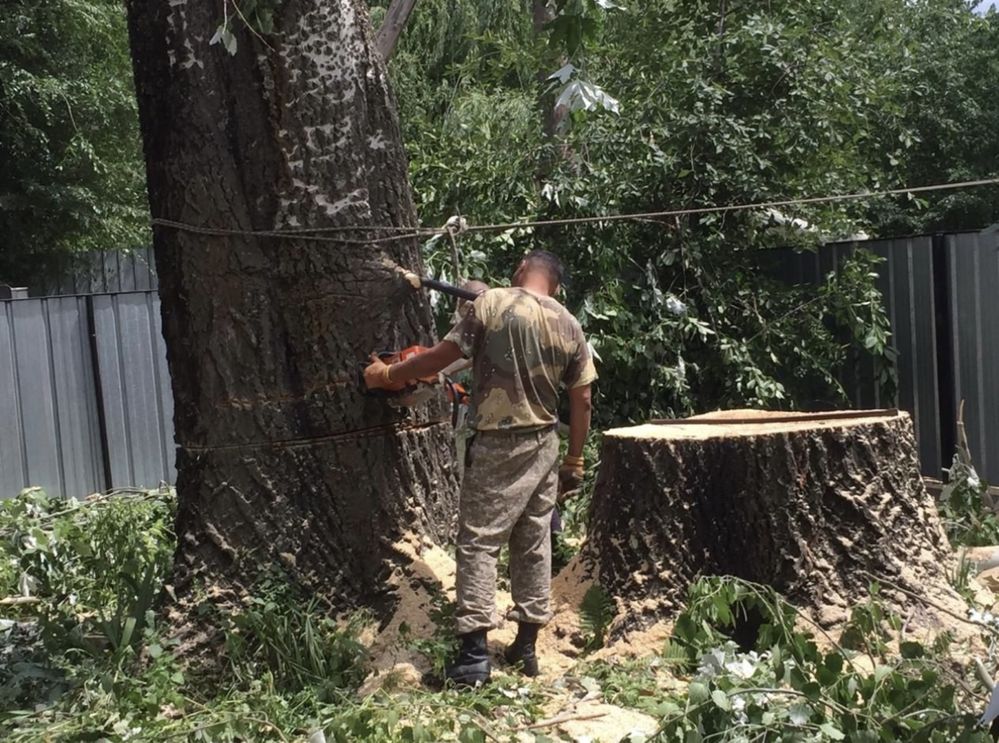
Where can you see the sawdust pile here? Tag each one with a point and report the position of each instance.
(427, 576)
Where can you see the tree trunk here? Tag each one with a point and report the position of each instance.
(395, 21)
(542, 13)
(813, 508)
(280, 458)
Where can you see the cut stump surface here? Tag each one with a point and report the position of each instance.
(813, 508)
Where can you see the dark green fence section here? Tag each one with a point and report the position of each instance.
(941, 293)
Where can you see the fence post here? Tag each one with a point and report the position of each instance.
(102, 425)
(947, 405)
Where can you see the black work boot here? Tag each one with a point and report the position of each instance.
(521, 652)
(471, 667)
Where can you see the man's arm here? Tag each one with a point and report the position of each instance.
(572, 471)
(458, 366)
(426, 364)
(580, 411)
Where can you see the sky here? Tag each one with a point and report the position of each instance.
(988, 4)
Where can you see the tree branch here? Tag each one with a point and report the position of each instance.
(395, 21)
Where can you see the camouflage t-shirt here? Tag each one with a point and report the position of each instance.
(522, 346)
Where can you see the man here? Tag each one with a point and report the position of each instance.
(523, 345)
(463, 431)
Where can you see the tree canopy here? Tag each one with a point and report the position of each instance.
(586, 107)
(71, 178)
(695, 103)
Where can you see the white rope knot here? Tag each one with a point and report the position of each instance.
(456, 225)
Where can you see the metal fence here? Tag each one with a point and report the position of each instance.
(85, 402)
(102, 272)
(972, 271)
(941, 295)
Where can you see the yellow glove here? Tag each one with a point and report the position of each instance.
(376, 374)
(570, 477)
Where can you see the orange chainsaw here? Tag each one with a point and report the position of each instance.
(414, 392)
(417, 391)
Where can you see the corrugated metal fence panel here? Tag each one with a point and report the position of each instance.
(76, 404)
(106, 271)
(166, 393)
(914, 328)
(11, 441)
(48, 430)
(905, 279)
(973, 271)
(51, 410)
(135, 389)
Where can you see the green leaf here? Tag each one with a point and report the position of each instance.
(812, 690)
(721, 699)
(127, 632)
(471, 734)
(831, 731)
(698, 693)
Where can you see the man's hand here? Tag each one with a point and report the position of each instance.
(376, 374)
(570, 478)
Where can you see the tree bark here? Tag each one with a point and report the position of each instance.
(553, 148)
(810, 507)
(280, 458)
(395, 21)
(542, 13)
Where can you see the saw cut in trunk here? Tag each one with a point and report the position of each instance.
(282, 461)
(816, 506)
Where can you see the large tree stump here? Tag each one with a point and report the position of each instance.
(811, 507)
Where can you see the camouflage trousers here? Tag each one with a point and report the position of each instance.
(507, 496)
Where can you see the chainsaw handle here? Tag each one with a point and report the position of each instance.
(446, 288)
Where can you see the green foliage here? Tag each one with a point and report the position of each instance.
(72, 175)
(738, 664)
(768, 102)
(953, 114)
(95, 568)
(278, 631)
(596, 612)
(84, 658)
(968, 518)
(83, 577)
(284, 668)
(786, 688)
(870, 626)
(960, 577)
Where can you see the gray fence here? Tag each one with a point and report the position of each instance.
(941, 294)
(85, 401)
(104, 272)
(972, 270)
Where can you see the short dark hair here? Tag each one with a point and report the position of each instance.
(550, 263)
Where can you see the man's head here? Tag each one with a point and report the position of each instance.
(478, 287)
(541, 271)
